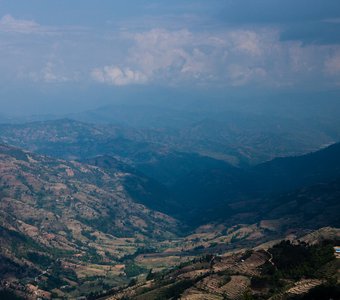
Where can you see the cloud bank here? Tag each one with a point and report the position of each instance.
(191, 44)
(235, 57)
(116, 76)
(10, 24)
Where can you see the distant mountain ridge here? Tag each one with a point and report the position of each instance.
(188, 186)
(237, 139)
(290, 172)
(215, 190)
(61, 219)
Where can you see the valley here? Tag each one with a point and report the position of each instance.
(170, 150)
(85, 212)
(268, 272)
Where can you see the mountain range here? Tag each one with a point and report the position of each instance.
(87, 207)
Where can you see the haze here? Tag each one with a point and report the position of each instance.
(62, 57)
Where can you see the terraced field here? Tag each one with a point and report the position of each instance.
(303, 286)
(264, 273)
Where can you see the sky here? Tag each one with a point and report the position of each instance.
(68, 55)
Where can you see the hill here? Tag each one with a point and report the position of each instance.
(194, 188)
(130, 204)
(238, 138)
(286, 173)
(64, 223)
(226, 129)
(215, 191)
(67, 225)
(290, 269)
(70, 139)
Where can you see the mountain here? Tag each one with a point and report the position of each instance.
(68, 225)
(228, 130)
(140, 187)
(187, 185)
(69, 139)
(132, 202)
(216, 191)
(287, 173)
(80, 191)
(61, 221)
(289, 269)
(239, 139)
(288, 193)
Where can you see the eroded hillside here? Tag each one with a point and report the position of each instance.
(69, 214)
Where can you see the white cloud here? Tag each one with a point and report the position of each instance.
(159, 49)
(173, 56)
(116, 76)
(201, 57)
(332, 64)
(232, 57)
(240, 75)
(51, 73)
(229, 57)
(10, 24)
(246, 41)
(223, 56)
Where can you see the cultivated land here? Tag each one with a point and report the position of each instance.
(286, 270)
(140, 220)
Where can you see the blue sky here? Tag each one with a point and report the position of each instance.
(49, 48)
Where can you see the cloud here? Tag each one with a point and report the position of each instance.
(240, 75)
(51, 72)
(210, 56)
(332, 21)
(332, 64)
(158, 49)
(230, 57)
(246, 41)
(116, 76)
(172, 56)
(14, 26)
(10, 24)
(182, 56)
